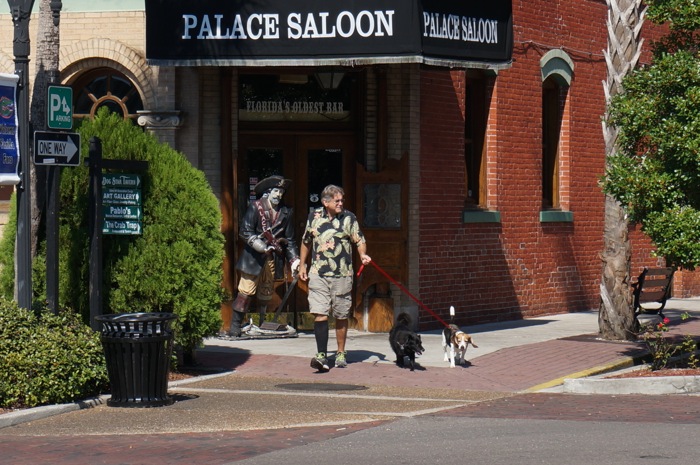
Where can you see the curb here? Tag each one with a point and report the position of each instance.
(45, 411)
(593, 381)
(599, 370)
(660, 385)
(649, 385)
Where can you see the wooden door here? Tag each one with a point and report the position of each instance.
(311, 161)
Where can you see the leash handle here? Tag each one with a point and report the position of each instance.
(415, 299)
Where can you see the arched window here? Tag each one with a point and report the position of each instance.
(551, 133)
(476, 105)
(557, 71)
(108, 87)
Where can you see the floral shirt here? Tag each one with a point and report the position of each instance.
(331, 242)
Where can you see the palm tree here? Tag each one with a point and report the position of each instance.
(47, 45)
(616, 319)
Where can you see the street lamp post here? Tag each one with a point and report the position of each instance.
(21, 10)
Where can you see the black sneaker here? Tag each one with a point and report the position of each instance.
(320, 362)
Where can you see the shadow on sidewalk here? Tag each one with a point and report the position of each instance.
(513, 324)
(360, 354)
(222, 359)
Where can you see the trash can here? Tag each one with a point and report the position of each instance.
(137, 348)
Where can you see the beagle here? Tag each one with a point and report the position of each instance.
(455, 343)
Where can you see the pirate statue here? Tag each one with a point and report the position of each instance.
(268, 233)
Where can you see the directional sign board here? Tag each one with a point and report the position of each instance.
(119, 196)
(121, 180)
(60, 107)
(121, 203)
(56, 148)
(121, 212)
(121, 227)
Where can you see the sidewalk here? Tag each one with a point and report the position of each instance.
(514, 356)
(261, 378)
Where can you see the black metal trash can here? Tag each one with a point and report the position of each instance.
(138, 347)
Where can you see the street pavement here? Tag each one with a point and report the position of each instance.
(260, 396)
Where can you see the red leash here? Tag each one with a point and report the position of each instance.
(362, 267)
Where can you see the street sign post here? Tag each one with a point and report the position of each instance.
(60, 111)
(57, 148)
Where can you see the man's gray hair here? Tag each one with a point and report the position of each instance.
(330, 191)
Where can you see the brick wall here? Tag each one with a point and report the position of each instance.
(116, 36)
(519, 267)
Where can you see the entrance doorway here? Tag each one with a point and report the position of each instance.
(311, 161)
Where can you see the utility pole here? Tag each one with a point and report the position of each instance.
(21, 10)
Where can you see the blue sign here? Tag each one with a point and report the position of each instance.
(9, 142)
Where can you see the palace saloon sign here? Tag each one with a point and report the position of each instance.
(322, 32)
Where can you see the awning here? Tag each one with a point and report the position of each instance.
(465, 34)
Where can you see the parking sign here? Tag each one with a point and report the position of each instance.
(60, 107)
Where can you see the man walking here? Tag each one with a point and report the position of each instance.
(330, 233)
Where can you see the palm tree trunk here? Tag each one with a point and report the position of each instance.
(616, 319)
(47, 46)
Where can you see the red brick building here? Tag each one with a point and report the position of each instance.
(542, 254)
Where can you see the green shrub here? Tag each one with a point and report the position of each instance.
(7, 253)
(7, 262)
(47, 359)
(175, 265)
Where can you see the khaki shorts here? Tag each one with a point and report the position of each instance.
(326, 294)
(263, 284)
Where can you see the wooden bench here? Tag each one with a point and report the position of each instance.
(653, 286)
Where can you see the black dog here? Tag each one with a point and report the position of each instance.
(404, 341)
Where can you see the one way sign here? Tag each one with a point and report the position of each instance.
(56, 148)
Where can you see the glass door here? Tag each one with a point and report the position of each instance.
(326, 160)
(324, 166)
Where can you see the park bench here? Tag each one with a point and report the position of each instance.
(653, 286)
